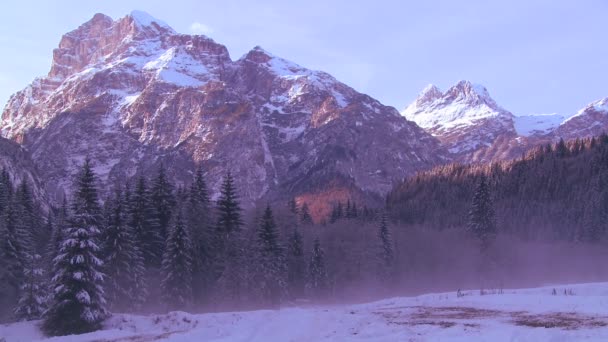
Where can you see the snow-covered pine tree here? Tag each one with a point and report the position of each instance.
(318, 283)
(271, 265)
(123, 262)
(305, 218)
(199, 222)
(144, 222)
(386, 254)
(296, 265)
(78, 302)
(482, 221)
(33, 297)
(163, 200)
(176, 285)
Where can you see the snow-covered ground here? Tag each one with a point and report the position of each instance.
(571, 313)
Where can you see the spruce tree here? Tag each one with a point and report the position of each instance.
(123, 260)
(318, 282)
(271, 275)
(78, 299)
(57, 234)
(386, 254)
(163, 200)
(229, 222)
(176, 284)
(296, 265)
(228, 208)
(292, 205)
(482, 222)
(33, 297)
(144, 222)
(6, 190)
(12, 257)
(305, 217)
(29, 217)
(199, 222)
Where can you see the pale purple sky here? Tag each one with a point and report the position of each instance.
(534, 56)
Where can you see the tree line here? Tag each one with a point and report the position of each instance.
(554, 192)
(153, 247)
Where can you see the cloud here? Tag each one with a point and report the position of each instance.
(200, 28)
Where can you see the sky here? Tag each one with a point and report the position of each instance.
(534, 56)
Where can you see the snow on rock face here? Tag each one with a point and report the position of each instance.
(527, 125)
(461, 105)
(587, 122)
(465, 118)
(132, 92)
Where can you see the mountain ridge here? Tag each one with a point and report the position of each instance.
(132, 93)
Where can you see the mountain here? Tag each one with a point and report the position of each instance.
(132, 93)
(473, 128)
(466, 120)
(589, 121)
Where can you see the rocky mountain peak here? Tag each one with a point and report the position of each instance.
(132, 93)
(470, 93)
(429, 94)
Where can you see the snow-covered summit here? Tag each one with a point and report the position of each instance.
(132, 91)
(599, 106)
(461, 105)
(143, 19)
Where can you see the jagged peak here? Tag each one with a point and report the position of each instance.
(467, 89)
(462, 104)
(429, 94)
(145, 20)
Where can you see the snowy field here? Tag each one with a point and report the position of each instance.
(571, 313)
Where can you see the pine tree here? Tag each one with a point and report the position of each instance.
(482, 222)
(229, 224)
(12, 257)
(296, 265)
(176, 284)
(163, 200)
(199, 222)
(29, 217)
(123, 260)
(78, 299)
(33, 297)
(271, 275)
(57, 233)
(305, 217)
(386, 254)
(228, 208)
(318, 283)
(292, 205)
(6, 190)
(144, 222)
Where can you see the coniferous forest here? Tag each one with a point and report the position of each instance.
(152, 246)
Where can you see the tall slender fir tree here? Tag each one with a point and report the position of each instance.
(176, 284)
(78, 302)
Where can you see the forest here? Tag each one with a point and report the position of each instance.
(153, 247)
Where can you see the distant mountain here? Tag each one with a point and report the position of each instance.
(589, 121)
(465, 119)
(474, 128)
(132, 93)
